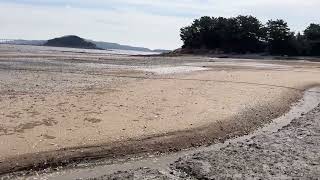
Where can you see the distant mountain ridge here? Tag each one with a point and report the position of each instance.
(27, 42)
(108, 45)
(99, 45)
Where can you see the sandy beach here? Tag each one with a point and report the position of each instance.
(59, 105)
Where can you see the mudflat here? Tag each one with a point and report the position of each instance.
(62, 104)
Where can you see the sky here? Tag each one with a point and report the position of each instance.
(146, 23)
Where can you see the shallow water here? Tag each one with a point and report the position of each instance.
(48, 49)
(309, 101)
(159, 70)
(242, 63)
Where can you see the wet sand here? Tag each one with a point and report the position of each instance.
(60, 107)
(292, 152)
(164, 166)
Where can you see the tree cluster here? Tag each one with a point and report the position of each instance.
(246, 34)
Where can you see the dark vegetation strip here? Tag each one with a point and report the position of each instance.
(246, 34)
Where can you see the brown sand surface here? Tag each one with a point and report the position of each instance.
(51, 103)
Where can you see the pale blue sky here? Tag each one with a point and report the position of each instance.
(148, 23)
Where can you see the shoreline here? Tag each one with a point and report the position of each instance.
(171, 142)
(238, 56)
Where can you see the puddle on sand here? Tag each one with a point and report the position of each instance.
(253, 64)
(173, 69)
(160, 70)
(309, 101)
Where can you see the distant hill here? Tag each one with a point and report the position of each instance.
(71, 41)
(161, 50)
(68, 41)
(108, 45)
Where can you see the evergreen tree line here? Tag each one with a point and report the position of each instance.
(246, 34)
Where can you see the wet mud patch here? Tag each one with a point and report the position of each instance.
(27, 126)
(93, 120)
(141, 173)
(4, 131)
(49, 121)
(14, 115)
(34, 113)
(46, 136)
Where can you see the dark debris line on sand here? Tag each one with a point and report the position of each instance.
(292, 152)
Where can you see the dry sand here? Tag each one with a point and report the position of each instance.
(53, 102)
